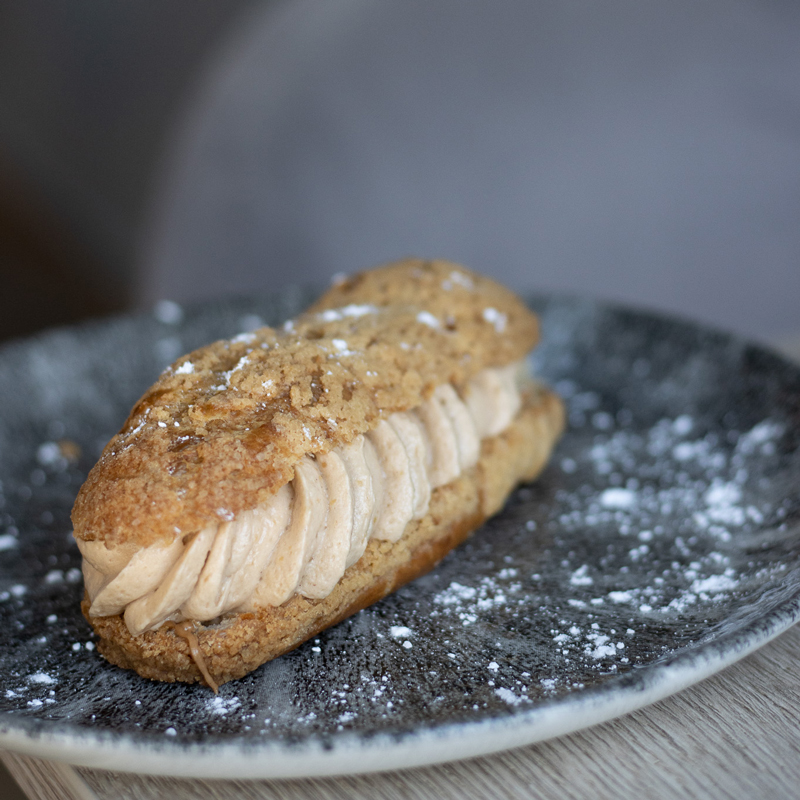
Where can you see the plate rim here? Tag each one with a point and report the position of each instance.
(356, 753)
(359, 753)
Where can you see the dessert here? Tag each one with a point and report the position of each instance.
(269, 486)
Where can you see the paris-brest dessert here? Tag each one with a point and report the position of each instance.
(268, 486)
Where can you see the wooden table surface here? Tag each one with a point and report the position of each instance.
(735, 735)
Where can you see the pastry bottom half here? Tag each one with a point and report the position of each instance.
(240, 642)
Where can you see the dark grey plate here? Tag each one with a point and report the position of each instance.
(660, 545)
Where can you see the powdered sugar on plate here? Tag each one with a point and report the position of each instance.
(667, 522)
(642, 539)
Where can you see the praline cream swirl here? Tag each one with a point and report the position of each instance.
(317, 525)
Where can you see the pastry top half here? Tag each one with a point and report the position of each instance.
(224, 428)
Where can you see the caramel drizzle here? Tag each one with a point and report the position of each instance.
(185, 631)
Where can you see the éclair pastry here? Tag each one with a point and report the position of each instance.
(268, 486)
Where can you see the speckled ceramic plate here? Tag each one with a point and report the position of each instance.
(659, 546)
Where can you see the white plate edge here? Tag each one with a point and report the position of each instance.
(453, 743)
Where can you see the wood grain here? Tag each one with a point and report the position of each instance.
(47, 780)
(736, 735)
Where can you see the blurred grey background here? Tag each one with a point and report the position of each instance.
(641, 152)
(89, 92)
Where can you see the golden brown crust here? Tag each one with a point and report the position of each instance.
(243, 642)
(222, 429)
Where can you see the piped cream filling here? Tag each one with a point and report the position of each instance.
(317, 525)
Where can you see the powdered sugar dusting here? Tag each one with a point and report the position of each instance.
(426, 318)
(222, 706)
(41, 678)
(187, 368)
(341, 348)
(458, 278)
(507, 696)
(617, 498)
(353, 311)
(469, 602)
(643, 534)
(495, 318)
(667, 519)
